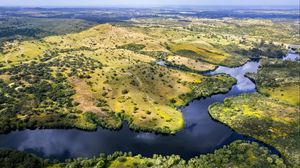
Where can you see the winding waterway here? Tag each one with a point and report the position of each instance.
(201, 133)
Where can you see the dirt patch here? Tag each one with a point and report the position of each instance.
(5, 78)
(85, 97)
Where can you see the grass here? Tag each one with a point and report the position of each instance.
(16, 52)
(212, 39)
(86, 100)
(128, 85)
(211, 55)
(288, 93)
(126, 162)
(279, 79)
(110, 82)
(266, 119)
(192, 64)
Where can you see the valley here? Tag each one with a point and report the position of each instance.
(165, 88)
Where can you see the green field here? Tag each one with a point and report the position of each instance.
(279, 79)
(272, 115)
(266, 119)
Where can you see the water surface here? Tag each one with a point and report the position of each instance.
(292, 56)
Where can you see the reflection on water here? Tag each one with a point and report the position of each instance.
(161, 62)
(292, 56)
(200, 135)
(243, 84)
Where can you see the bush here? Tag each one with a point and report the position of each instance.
(125, 91)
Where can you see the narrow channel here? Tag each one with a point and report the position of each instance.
(201, 133)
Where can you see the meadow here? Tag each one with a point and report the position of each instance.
(279, 79)
(272, 115)
(267, 119)
(103, 79)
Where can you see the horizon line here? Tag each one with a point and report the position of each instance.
(144, 6)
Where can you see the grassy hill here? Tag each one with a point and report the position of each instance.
(97, 76)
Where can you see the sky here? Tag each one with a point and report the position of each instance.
(147, 3)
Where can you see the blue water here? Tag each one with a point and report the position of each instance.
(201, 133)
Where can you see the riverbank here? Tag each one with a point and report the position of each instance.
(267, 117)
(198, 126)
(237, 154)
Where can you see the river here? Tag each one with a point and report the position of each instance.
(201, 133)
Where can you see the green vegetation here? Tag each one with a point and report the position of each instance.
(220, 83)
(269, 50)
(272, 117)
(266, 119)
(237, 154)
(33, 97)
(56, 73)
(156, 54)
(31, 28)
(188, 64)
(10, 158)
(249, 30)
(279, 79)
(228, 42)
(132, 47)
(81, 80)
(213, 56)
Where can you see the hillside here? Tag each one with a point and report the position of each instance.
(97, 77)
